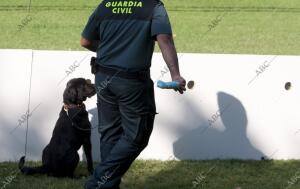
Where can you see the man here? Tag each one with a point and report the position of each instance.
(123, 34)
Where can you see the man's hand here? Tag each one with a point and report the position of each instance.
(181, 82)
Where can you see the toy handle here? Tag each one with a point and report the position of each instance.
(167, 85)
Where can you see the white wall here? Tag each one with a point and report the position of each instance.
(258, 117)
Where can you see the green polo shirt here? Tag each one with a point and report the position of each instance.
(126, 42)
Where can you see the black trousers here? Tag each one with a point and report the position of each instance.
(126, 110)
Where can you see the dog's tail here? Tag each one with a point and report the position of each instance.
(31, 170)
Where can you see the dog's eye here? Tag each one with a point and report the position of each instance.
(88, 81)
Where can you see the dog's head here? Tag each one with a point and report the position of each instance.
(78, 90)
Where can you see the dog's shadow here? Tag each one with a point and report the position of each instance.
(95, 137)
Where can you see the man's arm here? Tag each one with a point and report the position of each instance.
(90, 45)
(167, 47)
(90, 37)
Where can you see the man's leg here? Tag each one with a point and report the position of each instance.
(109, 117)
(110, 129)
(137, 108)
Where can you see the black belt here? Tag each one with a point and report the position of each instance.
(119, 73)
(142, 75)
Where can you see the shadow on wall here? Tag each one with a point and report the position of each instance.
(226, 138)
(231, 142)
(13, 143)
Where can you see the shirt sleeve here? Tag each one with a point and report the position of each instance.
(92, 28)
(160, 21)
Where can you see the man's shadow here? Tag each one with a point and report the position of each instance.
(226, 141)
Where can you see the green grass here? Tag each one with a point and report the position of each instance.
(228, 174)
(249, 27)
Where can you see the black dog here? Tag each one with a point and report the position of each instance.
(72, 130)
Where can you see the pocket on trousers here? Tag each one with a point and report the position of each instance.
(145, 128)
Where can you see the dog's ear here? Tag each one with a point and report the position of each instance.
(70, 95)
(81, 94)
(88, 81)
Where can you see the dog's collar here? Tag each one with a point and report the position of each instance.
(70, 106)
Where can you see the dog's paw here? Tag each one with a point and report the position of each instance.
(91, 170)
(21, 162)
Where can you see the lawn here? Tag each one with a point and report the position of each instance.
(215, 174)
(203, 26)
